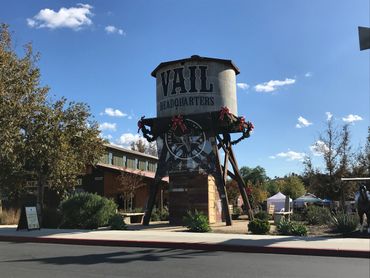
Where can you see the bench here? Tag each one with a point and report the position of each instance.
(133, 217)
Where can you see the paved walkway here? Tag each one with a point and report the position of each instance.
(176, 238)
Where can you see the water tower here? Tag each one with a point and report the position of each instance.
(196, 113)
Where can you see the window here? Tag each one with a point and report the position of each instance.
(110, 158)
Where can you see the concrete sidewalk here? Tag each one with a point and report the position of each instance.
(320, 246)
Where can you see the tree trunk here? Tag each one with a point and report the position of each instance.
(40, 197)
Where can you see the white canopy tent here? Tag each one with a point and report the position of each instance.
(278, 200)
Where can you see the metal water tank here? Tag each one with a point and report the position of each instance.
(195, 85)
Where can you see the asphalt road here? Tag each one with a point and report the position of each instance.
(55, 260)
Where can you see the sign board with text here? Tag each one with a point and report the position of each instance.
(29, 219)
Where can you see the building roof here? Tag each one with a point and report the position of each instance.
(146, 174)
(196, 58)
(110, 146)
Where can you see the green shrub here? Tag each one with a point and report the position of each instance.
(86, 211)
(237, 210)
(116, 222)
(299, 229)
(155, 215)
(164, 215)
(158, 215)
(258, 226)
(262, 215)
(297, 216)
(345, 223)
(318, 215)
(286, 227)
(196, 222)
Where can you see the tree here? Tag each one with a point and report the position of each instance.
(255, 175)
(272, 187)
(20, 96)
(329, 148)
(232, 191)
(48, 142)
(344, 153)
(60, 141)
(361, 163)
(138, 146)
(128, 184)
(336, 149)
(257, 195)
(255, 179)
(144, 147)
(292, 186)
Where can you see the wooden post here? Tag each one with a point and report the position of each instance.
(236, 176)
(221, 186)
(226, 160)
(154, 187)
(241, 183)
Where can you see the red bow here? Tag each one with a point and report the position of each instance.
(224, 111)
(249, 191)
(178, 121)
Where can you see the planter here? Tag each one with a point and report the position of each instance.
(278, 216)
(133, 217)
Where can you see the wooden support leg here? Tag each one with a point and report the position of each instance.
(151, 201)
(221, 185)
(154, 188)
(241, 183)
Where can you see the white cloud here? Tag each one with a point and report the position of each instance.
(74, 18)
(272, 85)
(110, 29)
(127, 138)
(113, 112)
(308, 74)
(319, 148)
(302, 122)
(272, 157)
(352, 118)
(108, 126)
(290, 155)
(329, 115)
(108, 136)
(242, 86)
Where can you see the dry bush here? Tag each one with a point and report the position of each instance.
(9, 217)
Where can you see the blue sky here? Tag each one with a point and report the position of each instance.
(298, 59)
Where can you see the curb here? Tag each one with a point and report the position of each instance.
(193, 246)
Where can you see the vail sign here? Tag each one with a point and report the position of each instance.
(173, 80)
(195, 85)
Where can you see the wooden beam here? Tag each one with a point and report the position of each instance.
(224, 168)
(154, 187)
(241, 183)
(221, 185)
